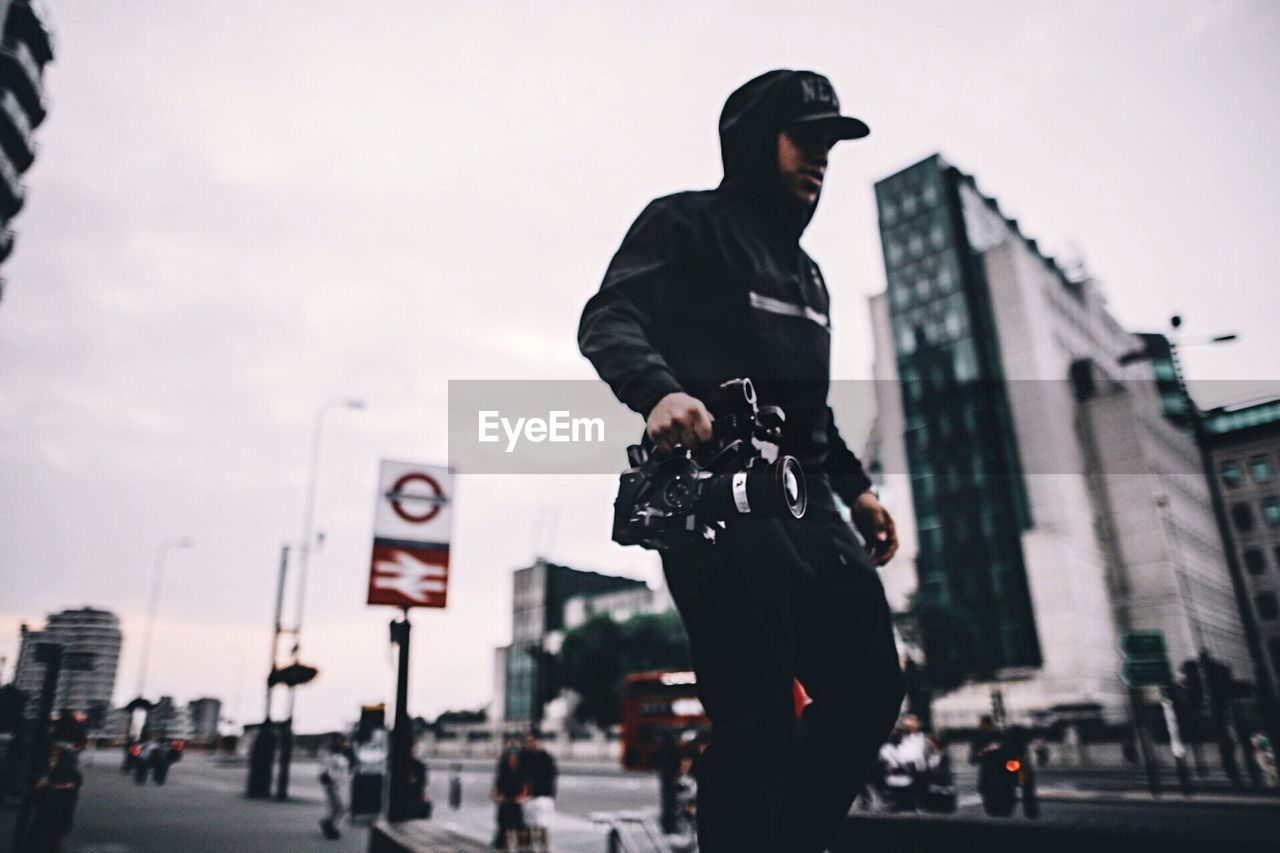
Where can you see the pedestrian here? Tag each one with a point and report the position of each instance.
(940, 793)
(896, 777)
(666, 761)
(419, 802)
(912, 753)
(1266, 759)
(540, 772)
(455, 786)
(686, 803)
(57, 791)
(711, 286)
(335, 778)
(510, 792)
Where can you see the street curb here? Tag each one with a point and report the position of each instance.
(1170, 798)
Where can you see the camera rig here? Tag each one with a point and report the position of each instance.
(685, 496)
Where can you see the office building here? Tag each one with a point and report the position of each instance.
(86, 630)
(537, 623)
(1245, 442)
(1056, 505)
(25, 48)
(169, 721)
(204, 715)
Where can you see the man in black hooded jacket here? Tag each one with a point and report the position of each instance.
(709, 286)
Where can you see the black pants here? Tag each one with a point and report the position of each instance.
(772, 601)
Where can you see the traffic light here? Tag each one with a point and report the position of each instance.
(293, 675)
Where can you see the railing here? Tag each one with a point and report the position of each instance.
(620, 838)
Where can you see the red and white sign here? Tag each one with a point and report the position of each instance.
(411, 527)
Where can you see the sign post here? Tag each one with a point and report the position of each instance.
(1145, 663)
(409, 567)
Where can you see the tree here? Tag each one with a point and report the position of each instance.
(596, 656)
(460, 717)
(946, 633)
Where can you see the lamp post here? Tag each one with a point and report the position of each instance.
(309, 507)
(162, 552)
(304, 553)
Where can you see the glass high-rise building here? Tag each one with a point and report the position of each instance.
(966, 481)
(1056, 503)
(539, 595)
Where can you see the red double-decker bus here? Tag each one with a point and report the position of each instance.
(654, 705)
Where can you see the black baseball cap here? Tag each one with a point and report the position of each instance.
(809, 98)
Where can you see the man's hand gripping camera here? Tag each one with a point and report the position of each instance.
(685, 496)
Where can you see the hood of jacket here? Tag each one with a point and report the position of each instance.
(749, 125)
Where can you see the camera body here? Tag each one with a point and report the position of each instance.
(684, 497)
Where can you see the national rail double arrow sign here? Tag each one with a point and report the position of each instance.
(409, 566)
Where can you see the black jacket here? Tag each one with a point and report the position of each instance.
(709, 286)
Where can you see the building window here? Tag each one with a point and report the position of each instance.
(1260, 469)
(1254, 561)
(1231, 474)
(1242, 517)
(937, 236)
(1271, 511)
(1267, 607)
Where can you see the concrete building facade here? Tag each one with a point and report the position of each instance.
(85, 630)
(1245, 443)
(205, 715)
(540, 593)
(26, 47)
(1055, 505)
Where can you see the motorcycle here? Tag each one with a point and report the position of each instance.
(1005, 777)
(163, 757)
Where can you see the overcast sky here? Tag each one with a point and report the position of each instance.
(242, 209)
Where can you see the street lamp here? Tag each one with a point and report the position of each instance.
(308, 511)
(304, 548)
(162, 551)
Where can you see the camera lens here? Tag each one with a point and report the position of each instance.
(766, 491)
(791, 489)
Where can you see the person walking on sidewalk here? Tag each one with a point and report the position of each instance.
(335, 778)
(54, 800)
(510, 791)
(711, 286)
(539, 770)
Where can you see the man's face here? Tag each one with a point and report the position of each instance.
(802, 160)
